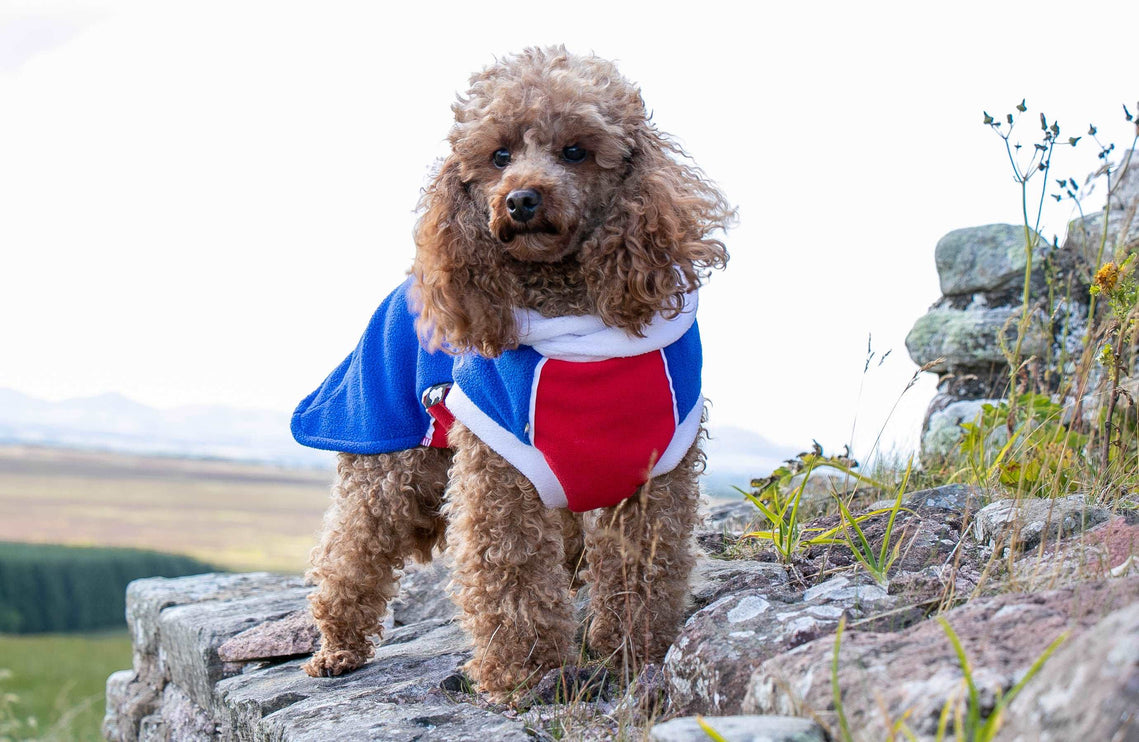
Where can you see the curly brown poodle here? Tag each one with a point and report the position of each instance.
(560, 199)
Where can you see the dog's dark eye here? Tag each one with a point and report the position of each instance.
(500, 158)
(574, 153)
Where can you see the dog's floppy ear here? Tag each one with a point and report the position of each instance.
(655, 247)
(463, 300)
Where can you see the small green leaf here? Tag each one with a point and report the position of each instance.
(988, 118)
(1021, 107)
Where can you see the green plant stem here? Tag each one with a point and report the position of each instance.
(1113, 396)
(1030, 246)
(844, 727)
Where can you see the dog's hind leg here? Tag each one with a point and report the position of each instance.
(640, 555)
(510, 574)
(385, 508)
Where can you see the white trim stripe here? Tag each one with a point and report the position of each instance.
(526, 459)
(534, 399)
(682, 440)
(671, 388)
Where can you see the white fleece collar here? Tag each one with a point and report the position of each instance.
(587, 338)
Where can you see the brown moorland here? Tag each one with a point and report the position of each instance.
(238, 516)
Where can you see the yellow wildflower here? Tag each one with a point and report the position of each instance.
(1107, 276)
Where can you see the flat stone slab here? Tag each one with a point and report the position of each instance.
(190, 635)
(740, 729)
(714, 578)
(971, 338)
(1025, 523)
(411, 665)
(367, 718)
(147, 599)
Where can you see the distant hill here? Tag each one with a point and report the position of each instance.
(737, 455)
(113, 422)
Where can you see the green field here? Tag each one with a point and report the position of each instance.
(51, 685)
(237, 516)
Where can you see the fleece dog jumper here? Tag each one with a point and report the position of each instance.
(588, 413)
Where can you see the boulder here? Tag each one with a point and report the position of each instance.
(943, 430)
(971, 338)
(1024, 523)
(1125, 189)
(988, 259)
(956, 498)
(1085, 236)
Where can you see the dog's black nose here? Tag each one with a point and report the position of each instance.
(523, 204)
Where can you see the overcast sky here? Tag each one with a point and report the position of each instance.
(203, 202)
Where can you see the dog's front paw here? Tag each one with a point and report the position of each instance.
(331, 662)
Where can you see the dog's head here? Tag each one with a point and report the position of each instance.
(556, 168)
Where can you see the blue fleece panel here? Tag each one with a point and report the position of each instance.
(685, 358)
(501, 387)
(371, 402)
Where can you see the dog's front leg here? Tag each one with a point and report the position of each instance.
(510, 578)
(385, 508)
(640, 554)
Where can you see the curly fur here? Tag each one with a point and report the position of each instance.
(623, 234)
(632, 223)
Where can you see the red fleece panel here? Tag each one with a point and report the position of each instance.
(602, 425)
(444, 419)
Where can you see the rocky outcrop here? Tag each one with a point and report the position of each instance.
(968, 333)
(217, 657)
(915, 673)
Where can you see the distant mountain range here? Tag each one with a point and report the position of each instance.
(113, 422)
